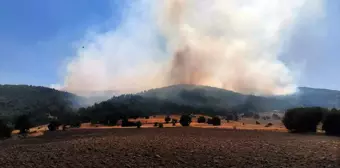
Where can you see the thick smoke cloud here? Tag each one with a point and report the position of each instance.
(231, 44)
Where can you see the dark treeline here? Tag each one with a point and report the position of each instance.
(307, 119)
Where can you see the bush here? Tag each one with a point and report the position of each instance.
(147, 117)
(5, 131)
(201, 119)
(138, 124)
(155, 124)
(167, 119)
(331, 123)
(64, 127)
(160, 125)
(53, 125)
(216, 121)
(268, 125)
(185, 120)
(303, 119)
(174, 121)
(23, 124)
(258, 123)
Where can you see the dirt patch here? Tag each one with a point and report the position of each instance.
(170, 147)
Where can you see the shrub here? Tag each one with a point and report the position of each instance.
(258, 123)
(268, 125)
(5, 131)
(174, 121)
(147, 117)
(64, 127)
(216, 121)
(53, 125)
(185, 120)
(155, 124)
(23, 124)
(167, 119)
(201, 119)
(138, 124)
(303, 119)
(160, 125)
(331, 123)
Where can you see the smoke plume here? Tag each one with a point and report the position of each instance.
(231, 44)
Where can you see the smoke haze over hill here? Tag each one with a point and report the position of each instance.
(232, 44)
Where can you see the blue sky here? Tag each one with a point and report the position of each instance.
(36, 38)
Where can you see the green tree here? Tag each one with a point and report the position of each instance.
(5, 131)
(53, 125)
(185, 120)
(138, 124)
(23, 124)
(167, 119)
(216, 121)
(331, 123)
(201, 119)
(303, 119)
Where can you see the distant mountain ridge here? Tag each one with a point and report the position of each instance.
(41, 102)
(195, 94)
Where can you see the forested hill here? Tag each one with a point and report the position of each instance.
(43, 103)
(39, 102)
(216, 97)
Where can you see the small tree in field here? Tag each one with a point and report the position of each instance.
(23, 124)
(174, 121)
(138, 124)
(201, 119)
(160, 125)
(216, 121)
(303, 119)
(167, 119)
(331, 123)
(54, 125)
(5, 131)
(185, 120)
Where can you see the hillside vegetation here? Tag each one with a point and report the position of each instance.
(44, 104)
(40, 103)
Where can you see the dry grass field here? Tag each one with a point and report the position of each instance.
(170, 147)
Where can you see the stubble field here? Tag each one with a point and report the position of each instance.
(170, 147)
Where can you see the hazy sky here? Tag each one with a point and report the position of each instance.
(37, 37)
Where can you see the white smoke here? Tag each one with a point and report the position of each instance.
(231, 44)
